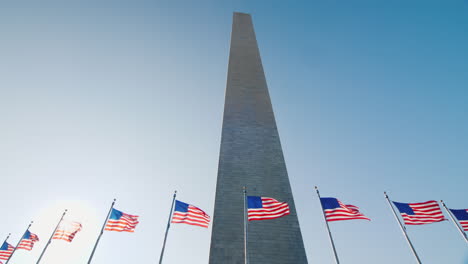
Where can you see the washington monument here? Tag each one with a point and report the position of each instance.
(251, 156)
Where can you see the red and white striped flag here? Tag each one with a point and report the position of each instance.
(6, 250)
(189, 214)
(121, 222)
(420, 213)
(462, 216)
(28, 240)
(67, 230)
(335, 210)
(263, 208)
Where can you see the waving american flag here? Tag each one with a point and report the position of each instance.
(28, 240)
(189, 214)
(67, 230)
(462, 216)
(121, 222)
(6, 250)
(420, 213)
(263, 208)
(335, 210)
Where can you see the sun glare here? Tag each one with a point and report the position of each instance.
(59, 251)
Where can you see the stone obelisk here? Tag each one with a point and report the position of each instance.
(251, 156)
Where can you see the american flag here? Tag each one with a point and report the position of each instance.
(189, 214)
(67, 230)
(462, 216)
(263, 208)
(420, 213)
(121, 222)
(28, 240)
(6, 250)
(335, 210)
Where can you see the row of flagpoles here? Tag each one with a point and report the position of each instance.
(411, 213)
(264, 208)
(255, 208)
(66, 230)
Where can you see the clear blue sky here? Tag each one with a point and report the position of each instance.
(124, 99)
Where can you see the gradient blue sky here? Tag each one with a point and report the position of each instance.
(124, 99)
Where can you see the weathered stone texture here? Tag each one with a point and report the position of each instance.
(251, 156)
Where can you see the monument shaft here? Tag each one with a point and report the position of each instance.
(251, 156)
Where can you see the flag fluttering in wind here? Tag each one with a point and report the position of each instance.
(28, 240)
(462, 216)
(67, 230)
(335, 210)
(6, 250)
(189, 214)
(420, 213)
(121, 222)
(263, 208)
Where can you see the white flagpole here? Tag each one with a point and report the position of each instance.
(246, 255)
(102, 231)
(328, 228)
(403, 229)
(50, 239)
(6, 238)
(167, 229)
(454, 221)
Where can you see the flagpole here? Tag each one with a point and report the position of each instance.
(167, 228)
(403, 229)
(50, 239)
(328, 228)
(14, 250)
(9, 234)
(246, 222)
(102, 231)
(454, 221)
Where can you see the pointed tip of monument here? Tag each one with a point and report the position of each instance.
(241, 14)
